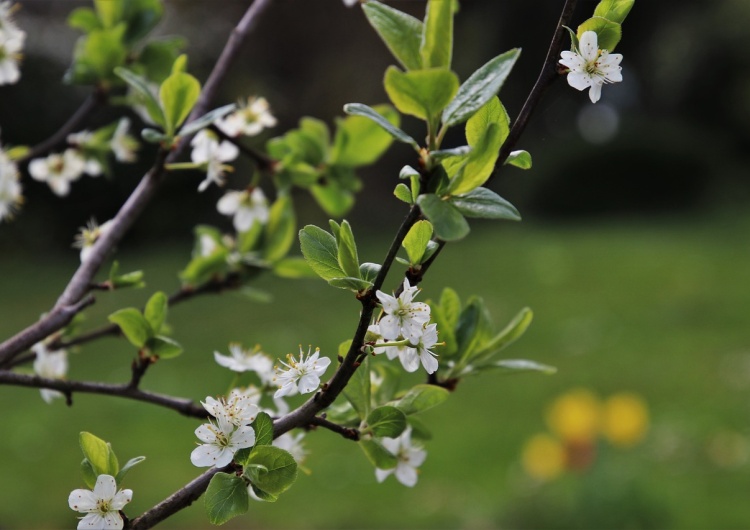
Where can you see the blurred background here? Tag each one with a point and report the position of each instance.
(633, 255)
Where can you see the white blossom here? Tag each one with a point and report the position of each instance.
(11, 46)
(421, 352)
(221, 440)
(591, 67)
(58, 170)
(239, 408)
(249, 119)
(242, 360)
(403, 317)
(88, 236)
(122, 144)
(7, 24)
(351, 3)
(10, 187)
(245, 206)
(102, 505)
(50, 365)
(301, 375)
(208, 151)
(409, 456)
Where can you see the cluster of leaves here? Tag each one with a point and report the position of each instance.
(144, 330)
(307, 157)
(99, 459)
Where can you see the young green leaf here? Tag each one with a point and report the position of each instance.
(402, 33)
(85, 19)
(386, 421)
(437, 40)
(89, 475)
(178, 94)
(479, 88)
(520, 159)
(334, 200)
(416, 240)
(443, 154)
(109, 11)
(614, 10)
(359, 141)
(485, 204)
(357, 391)
(99, 454)
(263, 427)
(163, 347)
(450, 302)
(280, 230)
(347, 255)
(226, 498)
(321, 252)
(608, 33)
(369, 271)
(480, 163)
(422, 93)
(447, 221)
(378, 455)
(358, 109)
(206, 120)
(403, 193)
(133, 325)
(127, 467)
(140, 85)
(293, 268)
(271, 469)
(516, 366)
(491, 113)
(421, 398)
(510, 333)
(155, 311)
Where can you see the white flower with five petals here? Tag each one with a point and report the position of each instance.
(102, 505)
(221, 440)
(591, 67)
(301, 375)
(58, 170)
(11, 46)
(122, 144)
(403, 316)
(208, 151)
(239, 409)
(246, 207)
(249, 119)
(409, 456)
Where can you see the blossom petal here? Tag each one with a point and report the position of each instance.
(390, 327)
(210, 455)
(105, 487)
(595, 92)
(382, 474)
(121, 498)
(82, 500)
(112, 521)
(588, 46)
(429, 362)
(229, 203)
(92, 521)
(579, 81)
(308, 383)
(409, 359)
(206, 433)
(406, 474)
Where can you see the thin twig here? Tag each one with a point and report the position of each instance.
(347, 432)
(263, 161)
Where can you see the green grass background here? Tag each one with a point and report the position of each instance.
(658, 308)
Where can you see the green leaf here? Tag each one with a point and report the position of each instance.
(85, 19)
(451, 305)
(407, 172)
(133, 325)
(421, 93)
(178, 94)
(271, 469)
(419, 430)
(358, 109)
(263, 426)
(153, 136)
(99, 454)
(386, 421)
(614, 10)
(474, 329)
(359, 141)
(515, 366)
(102, 51)
(321, 252)
(480, 163)
(478, 126)
(293, 268)
(226, 498)
(485, 204)
(481, 86)
(141, 86)
(447, 332)
(416, 240)
(421, 398)
(157, 57)
(351, 283)
(347, 255)
(378, 455)
(142, 16)
(280, 230)
(109, 11)
(521, 159)
(89, 475)
(332, 198)
(403, 193)
(357, 391)
(156, 310)
(402, 33)
(510, 333)
(437, 40)
(127, 467)
(447, 221)
(206, 120)
(163, 347)
(442, 154)
(369, 271)
(608, 33)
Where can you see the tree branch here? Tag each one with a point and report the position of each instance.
(182, 405)
(346, 432)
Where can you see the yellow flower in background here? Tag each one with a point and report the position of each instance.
(575, 416)
(543, 457)
(624, 419)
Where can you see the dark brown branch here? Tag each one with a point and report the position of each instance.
(547, 76)
(347, 432)
(90, 104)
(181, 405)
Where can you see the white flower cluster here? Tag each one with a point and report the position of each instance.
(245, 207)
(211, 154)
(228, 434)
(59, 170)
(591, 67)
(102, 505)
(409, 457)
(406, 331)
(252, 116)
(11, 45)
(10, 187)
(89, 235)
